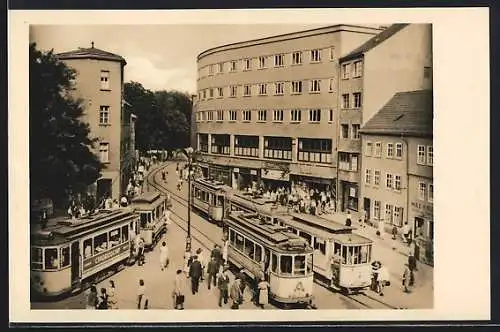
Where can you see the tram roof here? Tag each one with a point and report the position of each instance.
(213, 184)
(147, 201)
(322, 223)
(262, 205)
(271, 234)
(61, 229)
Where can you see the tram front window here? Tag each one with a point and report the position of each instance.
(144, 219)
(220, 200)
(36, 258)
(51, 259)
(364, 254)
(274, 264)
(299, 264)
(286, 264)
(64, 256)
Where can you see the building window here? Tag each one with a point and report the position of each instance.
(220, 144)
(247, 91)
(220, 115)
(315, 150)
(330, 84)
(278, 115)
(104, 80)
(247, 115)
(262, 89)
(211, 93)
(315, 86)
(421, 155)
(355, 131)
(388, 213)
(296, 87)
(315, 55)
(203, 141)
(220, 92)
(430, 194)
(332, 53)
(422, 188)
(210, 70)
(369, 149)
(296, 58)
(248, 64)
(399, 150)
(103, 114)
(220, 68)
(279, 60)
(262, 62)
(104, 152)
(368, 176)
(388, 181)
(234, 90)
(397, 182)
(378, 149)
(348, 161)
(210, 116)
(262, 115)
(345, 71)
(358, 69)
(344, 128)
(345, 100)
(280, 88)
(330, 117)
(376, 177)
(357, 99)
(398, 216)
(295, 115)
(430, 155)
(247, 146)
(232, 66)
(205, 94)
(376, 210)
(278, 148)
(202, 116)
(315, 115)
(390, 150)
(232, 115)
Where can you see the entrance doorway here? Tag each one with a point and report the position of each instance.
(103, 188)
(366, 207)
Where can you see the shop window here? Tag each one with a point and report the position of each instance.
(100, 243)
(51, 259)
(114, 238)
(299, 267)
(36, 258)
(286, 264)
(64, 256)
(87, 248)
(274, 264)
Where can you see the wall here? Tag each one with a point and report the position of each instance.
(396, 65)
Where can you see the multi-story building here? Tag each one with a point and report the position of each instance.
(267, 108)
(397, 165)
(99, 83)
(397, 59)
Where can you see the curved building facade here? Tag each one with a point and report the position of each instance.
(266, 109)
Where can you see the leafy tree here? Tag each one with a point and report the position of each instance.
(61, 159)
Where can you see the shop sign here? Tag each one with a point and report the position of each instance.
(253, 172)
(422, 207)
(236, 170)
(352, 192)
(274, 174)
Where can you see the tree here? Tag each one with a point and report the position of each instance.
(61, 158)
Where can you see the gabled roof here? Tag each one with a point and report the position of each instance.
(91, 53)
(374, 41)
(407, 113)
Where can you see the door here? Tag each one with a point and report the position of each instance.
(103, 189)
(75, 262)
(366, 207)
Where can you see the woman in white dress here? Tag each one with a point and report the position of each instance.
(163, 256)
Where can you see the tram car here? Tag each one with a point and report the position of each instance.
(285, 259)
(341, 257)
(69, 254)
(208, 198)
(151, 208)
(239, 201)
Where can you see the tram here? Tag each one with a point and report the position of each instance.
(341, 257)
(285, 259)
(238, 201)
(208, 198)
(151, 208)
(69, 255)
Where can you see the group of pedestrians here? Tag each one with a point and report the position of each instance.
(105, 300)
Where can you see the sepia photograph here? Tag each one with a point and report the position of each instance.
(265, 167)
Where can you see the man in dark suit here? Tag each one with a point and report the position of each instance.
(195, 274)
(217, 255)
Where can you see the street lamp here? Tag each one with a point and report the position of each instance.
(189, 153)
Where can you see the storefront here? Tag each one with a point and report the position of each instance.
(422, 222)
(243, 178)
(220, 173)
(349, 193)
(309, 182)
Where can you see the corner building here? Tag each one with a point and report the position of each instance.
(99, 83)
(266, 108)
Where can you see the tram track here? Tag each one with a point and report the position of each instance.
(369, 303)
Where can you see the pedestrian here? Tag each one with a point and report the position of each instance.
(92, 298)
(381, 228)
(164, 256)
(225, 250)
(163, 175)
(235, 293)
(348, 220)
(103, 300)
(179, 290)
(202, 260)
(140, 247)
(407, 278)
(365, 218)
(383, 279)
(394, 236)
(111, 292)
(141, 291)
(217, 255)
(212, 269)
(263, 293)
(412, 261)
(406, 232)
(223, 284)
(195, 274)
(187, 261)
(242, 283)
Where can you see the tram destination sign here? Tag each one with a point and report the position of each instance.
(104, 256)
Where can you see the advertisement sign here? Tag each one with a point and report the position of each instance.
(274, 174)
(102, 257)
